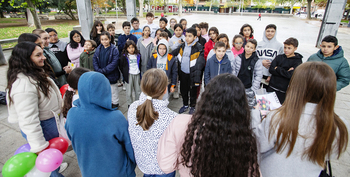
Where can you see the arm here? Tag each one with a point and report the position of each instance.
(207, 73)
(176, 51)
(287, 74)
(114, 64)
(343, 75)
(121, 43)
(258, 74)
(206, 50)
(174, 70)
(273, 65)
(95, 61)
(200, 64)
(262, 130)
(150, 62)
(26, 106)
(238, 62)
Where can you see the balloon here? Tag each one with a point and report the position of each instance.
(162, 14)
(23, 148)
(35, 172)
(59, 143)
(49, 160)
(19, 165)
(63, 89)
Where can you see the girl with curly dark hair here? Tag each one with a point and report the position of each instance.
(34, 98)
(217, 140)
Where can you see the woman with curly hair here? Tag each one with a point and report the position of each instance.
(34, 99)
(217, 140)
(297, 138)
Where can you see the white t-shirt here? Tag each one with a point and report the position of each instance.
(133, 66)
(161, 63)
(153, 27)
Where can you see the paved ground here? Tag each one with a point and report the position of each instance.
(305, 31)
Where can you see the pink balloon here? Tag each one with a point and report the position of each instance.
(49, 160)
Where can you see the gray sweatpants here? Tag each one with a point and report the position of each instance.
(133, 86)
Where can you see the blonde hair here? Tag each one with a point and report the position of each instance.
(154, 83)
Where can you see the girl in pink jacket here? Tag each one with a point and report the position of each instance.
(75, 47)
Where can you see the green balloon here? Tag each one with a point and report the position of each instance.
(19, 165)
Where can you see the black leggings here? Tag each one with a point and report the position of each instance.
(185, 87)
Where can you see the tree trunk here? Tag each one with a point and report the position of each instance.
(291, 8)
(211, 3)
(2, 57)
(141, 8)
(347, 15)
(165, 5)
(2, 14)
(197, 5)
(309, 9)
(35, 15)
(71, 14)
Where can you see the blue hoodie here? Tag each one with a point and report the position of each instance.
(99, 134)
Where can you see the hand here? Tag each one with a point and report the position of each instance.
(67, 69)
(291, 69)
(276, 67)
(179, 41)
(268, 79)
(196, 84)
(172, 89)
(127, 40)
(266, 63)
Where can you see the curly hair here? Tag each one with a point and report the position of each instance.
(219, 140)
(126, 46)
(20, 62)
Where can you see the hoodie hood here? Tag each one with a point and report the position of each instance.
(60, 44)
(297, 56)
(274, 39)
(338, 53)
(94, 89)
(163, 42)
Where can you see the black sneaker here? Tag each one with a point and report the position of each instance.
(192, 109)
(183, 109)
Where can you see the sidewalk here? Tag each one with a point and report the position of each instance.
(306, 33)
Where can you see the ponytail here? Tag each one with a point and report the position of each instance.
(68, 97)
(146, 115)
(154, 83)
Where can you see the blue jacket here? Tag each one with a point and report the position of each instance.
(214, 68)
(111, 71)
(171, 67)
(99, 134)
(122, 40)
(124, 66)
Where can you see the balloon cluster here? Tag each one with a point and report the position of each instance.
(63, 89)
(27, 163)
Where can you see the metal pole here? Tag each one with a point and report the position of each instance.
(130, 9)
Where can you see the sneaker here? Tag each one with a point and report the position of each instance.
(63, 167)
(176, 94)
(192, 109)
(124, 88)
(183, 109)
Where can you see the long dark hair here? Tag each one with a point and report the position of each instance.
(93, 31)
(153, 84)
(251, 29)
(313, 82)
(74, 44)
(127, 44)
(72, 81)
(219, 140)
(20, 62)
(28, 37)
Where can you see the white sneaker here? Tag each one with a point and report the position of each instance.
(63, 167)
(176, 94)
(124, 88)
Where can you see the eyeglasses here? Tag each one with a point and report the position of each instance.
(75, 37)
(238, 43)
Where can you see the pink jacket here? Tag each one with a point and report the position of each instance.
(74, 54)
(170, 143)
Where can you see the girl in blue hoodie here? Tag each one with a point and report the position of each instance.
(130, 66)
(106, 61)
(99, 133)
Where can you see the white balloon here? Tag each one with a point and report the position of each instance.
(37, 173)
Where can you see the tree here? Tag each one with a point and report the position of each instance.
(7, 6)
(290, 2)
(141, 8)
(32, 9)
(67, 6)
(309, 9)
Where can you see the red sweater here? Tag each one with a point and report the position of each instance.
(207, 47)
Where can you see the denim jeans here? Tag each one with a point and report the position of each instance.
(50, 131)
(165, 175)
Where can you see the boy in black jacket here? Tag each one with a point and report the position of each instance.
(191, 64)
(282, 68)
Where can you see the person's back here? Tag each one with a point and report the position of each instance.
(99, 134)
(297, 138)
(333, 54)
(148, 118)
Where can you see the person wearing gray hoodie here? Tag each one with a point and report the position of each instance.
(174, 42)
(267, 50)
(145, 46)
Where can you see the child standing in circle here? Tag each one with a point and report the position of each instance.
(247, 32)
(96, 31)
(148, 118)
(130, 66)
(106, 61)
(75, 47)
(237, 45)
(145, 46)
